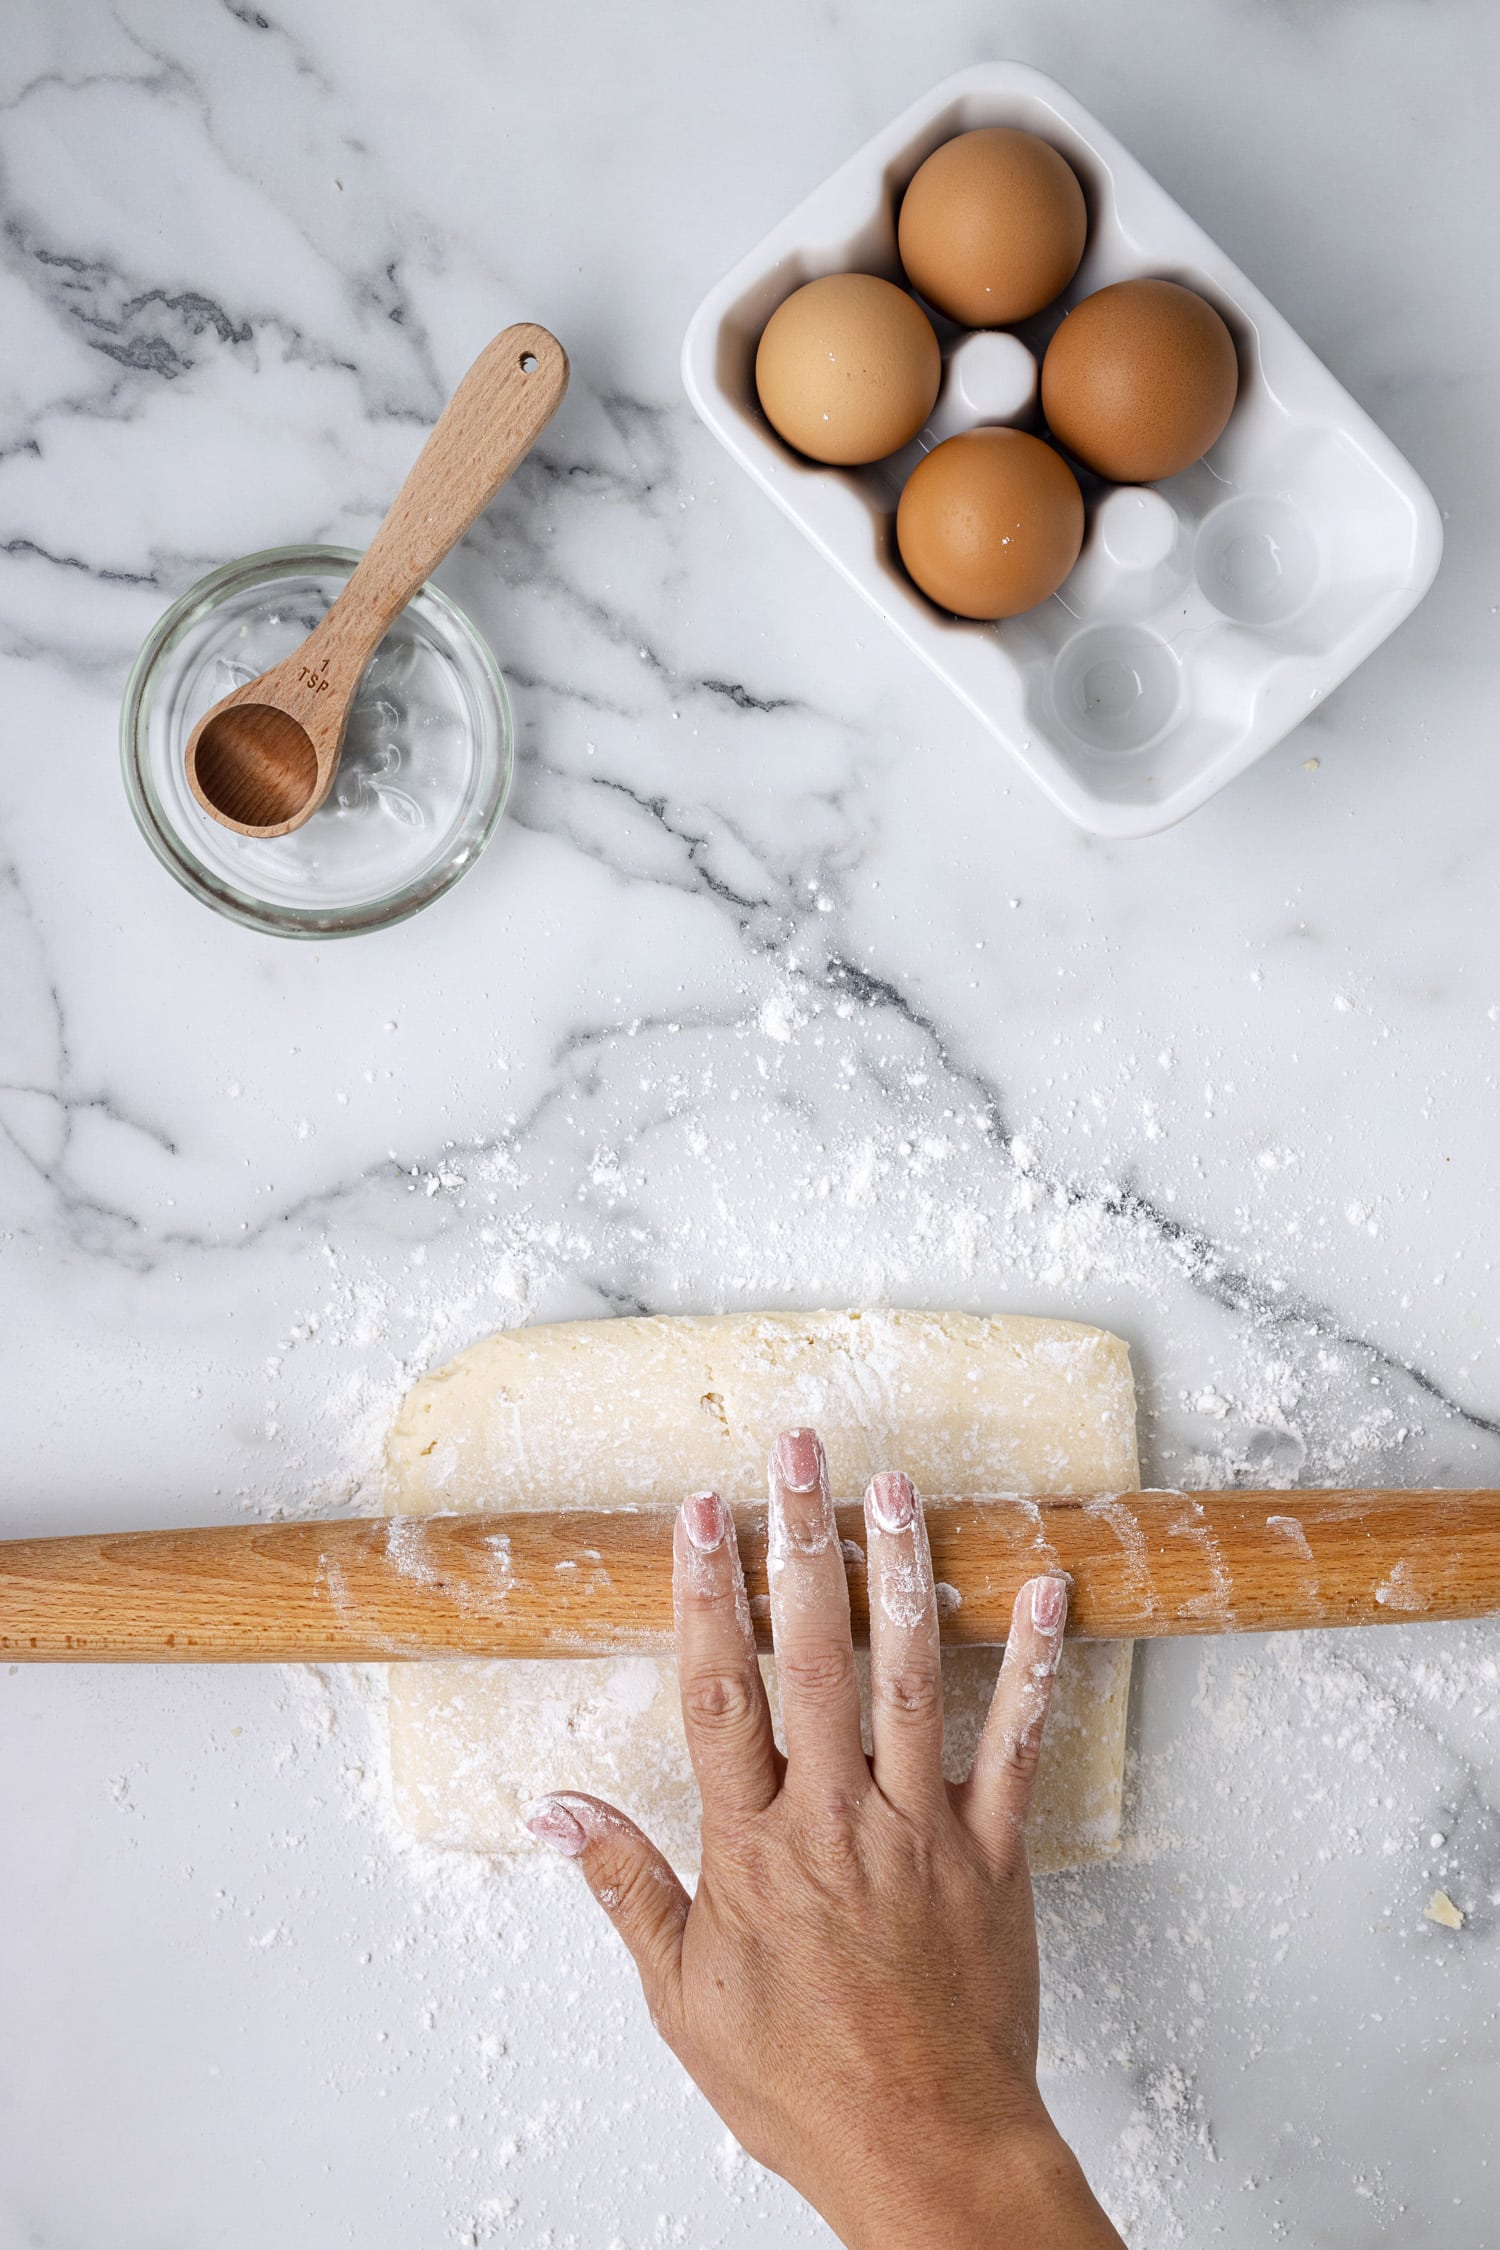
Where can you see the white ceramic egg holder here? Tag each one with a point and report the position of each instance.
(1206, 615)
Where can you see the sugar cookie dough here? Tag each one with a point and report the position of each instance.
(613, 1413)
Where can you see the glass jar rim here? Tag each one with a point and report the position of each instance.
(386, 909)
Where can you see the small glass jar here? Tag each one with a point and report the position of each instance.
(422, 782)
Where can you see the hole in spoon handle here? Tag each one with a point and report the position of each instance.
(491, 422)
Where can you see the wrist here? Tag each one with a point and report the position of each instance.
(1021, 2188)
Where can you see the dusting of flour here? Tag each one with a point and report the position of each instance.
(1290, 1801)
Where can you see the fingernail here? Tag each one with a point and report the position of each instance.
(1049, 1603)
(705, 1519)
(893, 1503)
(799, 1460)
(552, 1823)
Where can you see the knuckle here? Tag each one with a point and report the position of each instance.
(912, 1690)
(705, 1588)
(613, 1882)
(914, 1853)
(630, 1890)
(1023, 1753)
(817, 1672)
(832, 1836)
(746, 1874)
(719, 1702)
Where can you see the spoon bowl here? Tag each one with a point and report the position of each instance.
(266, 756)
(256, 767)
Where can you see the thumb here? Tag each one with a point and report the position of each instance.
(631, 1880)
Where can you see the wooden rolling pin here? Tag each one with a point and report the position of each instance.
(600, 1584)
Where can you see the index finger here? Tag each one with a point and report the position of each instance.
(724, 1710)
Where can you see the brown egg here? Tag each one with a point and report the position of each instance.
(990, 523)
(1139, 380)
(848, 368)
(992, 227)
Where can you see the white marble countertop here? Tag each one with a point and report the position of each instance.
(778, 986)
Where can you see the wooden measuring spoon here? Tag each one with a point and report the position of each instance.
(263, 760)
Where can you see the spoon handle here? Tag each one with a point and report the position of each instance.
(491, 422)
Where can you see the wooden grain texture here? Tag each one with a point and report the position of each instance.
(264, 758)
(1142, 1564)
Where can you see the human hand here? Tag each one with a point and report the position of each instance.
(854, 1986)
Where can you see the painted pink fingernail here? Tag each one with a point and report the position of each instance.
(893, 1503)
(1049, 1603)
(705, 1519)
(799, 1460)
(552, 1823)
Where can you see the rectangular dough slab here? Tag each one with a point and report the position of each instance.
(611, 1413)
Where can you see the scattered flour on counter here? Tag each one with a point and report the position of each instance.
(1304, 1793)
(711, 1205)
(1281, 1792)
